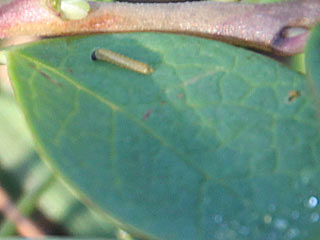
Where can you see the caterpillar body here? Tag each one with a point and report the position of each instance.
(122, 61)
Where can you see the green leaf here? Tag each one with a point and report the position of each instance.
(312, 58)
(217, 143)
(24, 177)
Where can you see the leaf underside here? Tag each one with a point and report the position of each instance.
(217, 143)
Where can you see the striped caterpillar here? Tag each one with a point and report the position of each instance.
(122, 61)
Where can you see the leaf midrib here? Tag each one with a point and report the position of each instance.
(205, 177)
(117, 108)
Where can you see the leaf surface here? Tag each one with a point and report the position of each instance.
(217, 143)
(313, 58)
(25, 178)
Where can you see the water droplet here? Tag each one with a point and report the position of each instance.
(295, 215)
(218, 218)
(267, 219)
(312, 202)
(314, 217)
(281, 224)
(293, 232)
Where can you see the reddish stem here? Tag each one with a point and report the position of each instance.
(24, 225)
(258, 26)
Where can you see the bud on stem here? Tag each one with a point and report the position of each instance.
(281, 28)
(70, 9)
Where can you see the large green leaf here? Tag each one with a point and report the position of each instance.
(217, 143)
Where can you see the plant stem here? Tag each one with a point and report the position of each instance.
(281, 28)
(24, 207)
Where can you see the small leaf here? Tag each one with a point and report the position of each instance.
(216, 143)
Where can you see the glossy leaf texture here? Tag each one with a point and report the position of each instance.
(217, 143)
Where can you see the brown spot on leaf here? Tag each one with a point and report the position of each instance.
(147, 114)
(293, 95)
(180, 95)
(52, 80)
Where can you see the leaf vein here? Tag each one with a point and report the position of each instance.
(117, 108)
